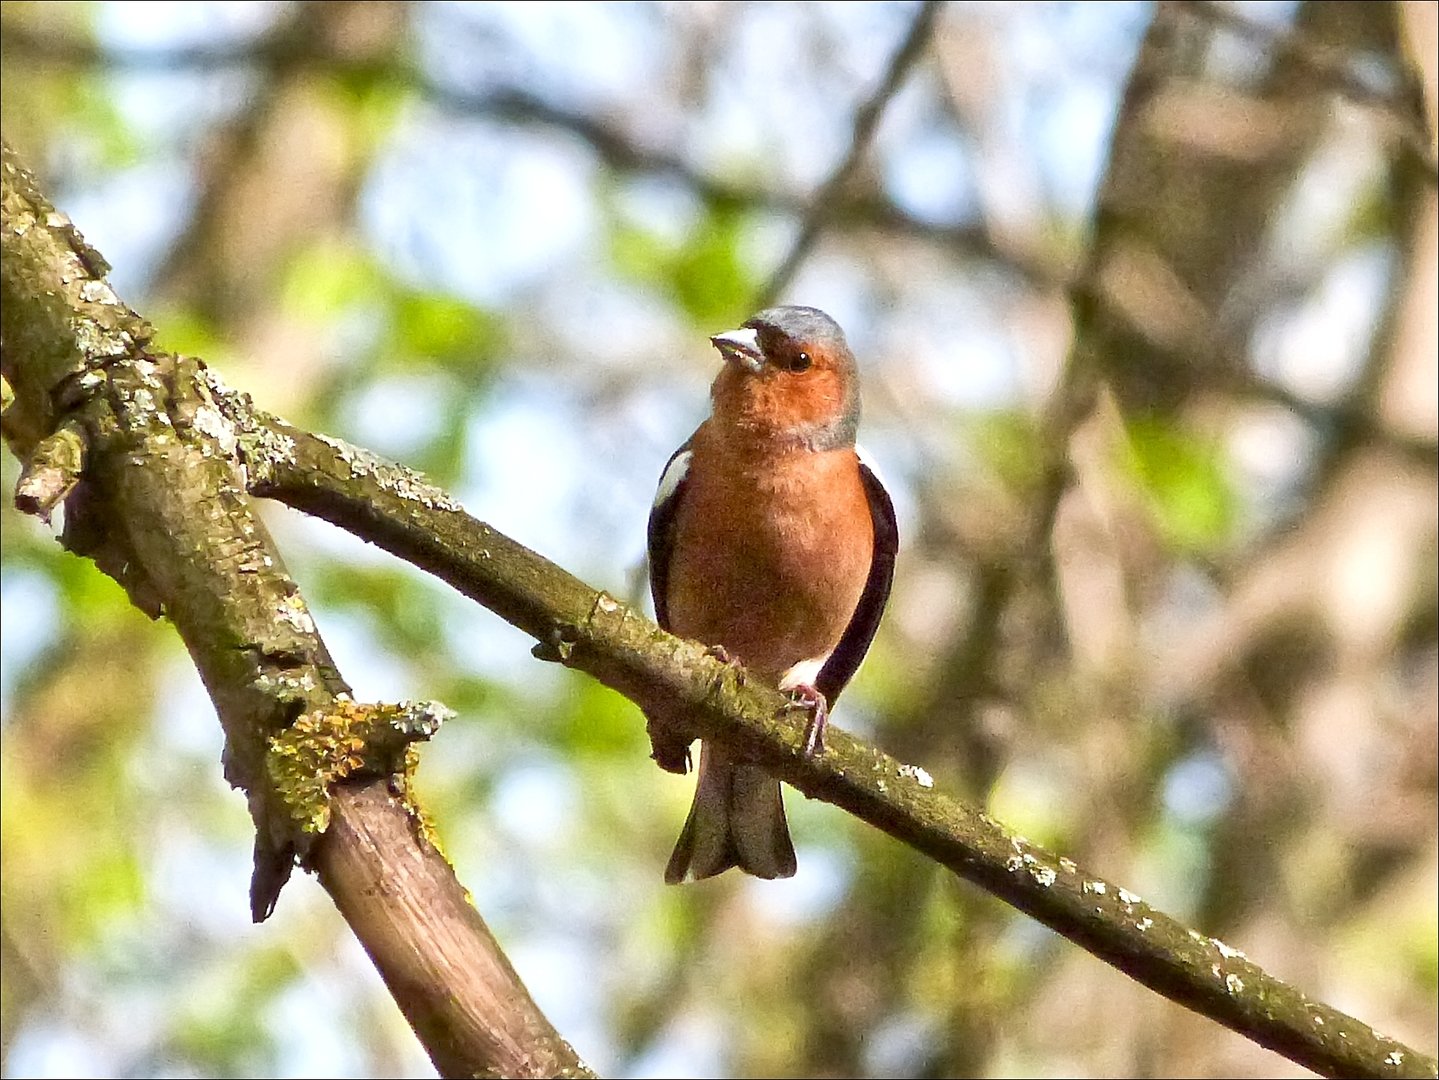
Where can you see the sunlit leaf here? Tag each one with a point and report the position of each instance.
(1185, 482)
(705, 273)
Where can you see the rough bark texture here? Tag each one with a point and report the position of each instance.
(161, 505)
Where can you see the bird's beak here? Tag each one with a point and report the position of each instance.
(740, 346)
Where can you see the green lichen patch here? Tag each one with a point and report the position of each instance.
(325, 746)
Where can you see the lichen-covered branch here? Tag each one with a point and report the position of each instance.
(588, 630)
(156, 497)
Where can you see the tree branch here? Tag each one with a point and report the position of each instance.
(161, 507)
(1339, 70)
(398, 510)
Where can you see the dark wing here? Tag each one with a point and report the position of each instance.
(662, 529)
(845, 660)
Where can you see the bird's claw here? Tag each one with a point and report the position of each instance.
(810, 699)
(723, 655)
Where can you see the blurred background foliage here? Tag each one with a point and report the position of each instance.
(490, 240)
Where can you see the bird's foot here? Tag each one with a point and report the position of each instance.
(807, 697)
(723, 655)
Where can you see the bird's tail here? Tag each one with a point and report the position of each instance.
(737, 819)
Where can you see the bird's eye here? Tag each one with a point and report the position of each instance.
(800, 361)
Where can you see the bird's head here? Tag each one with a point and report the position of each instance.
(789, 378)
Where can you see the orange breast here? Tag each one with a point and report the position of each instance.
(771, 554)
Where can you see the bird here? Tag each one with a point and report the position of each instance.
(771, 540)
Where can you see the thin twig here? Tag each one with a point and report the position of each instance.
(611, 143)
(866, 122)
(1334, 67)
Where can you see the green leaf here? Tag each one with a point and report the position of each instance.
(439, 327)
(1009, 444)
(595, 721)
(704, 273)
(1184, 481)
(186, 331)
(708, 276)
(325, 279)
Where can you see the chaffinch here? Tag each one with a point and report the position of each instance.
(773, 541)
